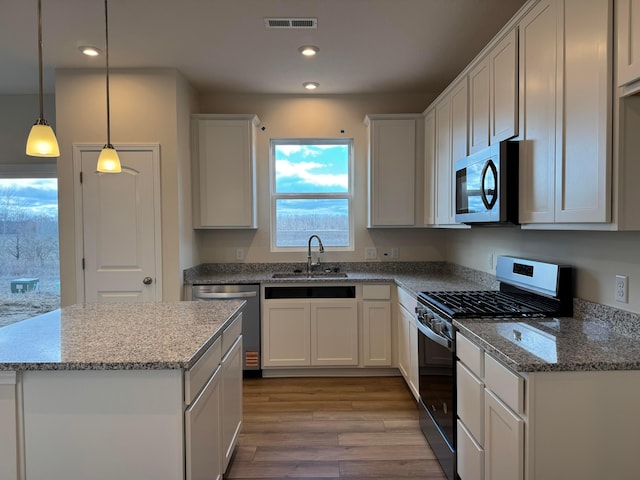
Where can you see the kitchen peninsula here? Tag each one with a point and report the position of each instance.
(113, 391)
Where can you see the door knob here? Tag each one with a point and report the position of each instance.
(147, 280)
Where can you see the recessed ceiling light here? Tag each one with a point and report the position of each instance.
(308, 50)
(310, 85)
(89, 50)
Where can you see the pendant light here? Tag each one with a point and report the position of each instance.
(108, 161)
(41, 141)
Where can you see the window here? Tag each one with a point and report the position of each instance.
(29, 253)
(311, 193)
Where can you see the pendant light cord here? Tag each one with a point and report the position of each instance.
(41, 118)
(106, 25)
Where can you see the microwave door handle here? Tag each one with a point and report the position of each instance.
(489, 166)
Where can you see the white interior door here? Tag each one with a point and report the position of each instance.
(119, 226)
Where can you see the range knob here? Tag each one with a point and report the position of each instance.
(437, 327)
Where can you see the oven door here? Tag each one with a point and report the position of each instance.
(437, 385)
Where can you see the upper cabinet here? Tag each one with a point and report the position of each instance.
(224, 171)
(628, 36)
(565, 116)
(395, 170)
(493, 95)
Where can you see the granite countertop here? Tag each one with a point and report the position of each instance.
(555, 344)
(108, 336)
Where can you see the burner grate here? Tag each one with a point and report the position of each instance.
(485, 303)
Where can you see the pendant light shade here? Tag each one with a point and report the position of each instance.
(108, 161)
(42, 141)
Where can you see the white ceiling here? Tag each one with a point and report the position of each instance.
(366, 46)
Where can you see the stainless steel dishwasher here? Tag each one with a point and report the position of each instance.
(250, 319)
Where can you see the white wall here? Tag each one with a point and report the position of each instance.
(147, 106)
(597, 256)
(17, 114)
(313, 116)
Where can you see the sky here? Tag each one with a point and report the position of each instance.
(38, 196)
(312, 168)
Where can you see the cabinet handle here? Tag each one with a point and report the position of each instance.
(147, 280)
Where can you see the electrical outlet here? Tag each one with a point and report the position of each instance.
(622, 289)
(239, 254)
(395, 253)
(370, 253)
(490, 261)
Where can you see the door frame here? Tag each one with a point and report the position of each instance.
(78, 150)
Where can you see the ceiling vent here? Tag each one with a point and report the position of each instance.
(291, 23)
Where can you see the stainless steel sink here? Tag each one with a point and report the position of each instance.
(312, 275)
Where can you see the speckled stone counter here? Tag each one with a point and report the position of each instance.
(127, 336)
(413, 276)
(556, 344)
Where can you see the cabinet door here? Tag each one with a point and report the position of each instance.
(231, 400)
(8, 432)
(224, 172)
(429, 167)
(392, 171)
(470, 400)
(203, 433)
(583, 159)
(286, 329)
(628, 33)
(503, 94)
(403, 343)
(444, 166)
(469, 455)
(376, 335)
(459, 122)
(503, 441)
(479, 78)
(334, 333)
(538, 74)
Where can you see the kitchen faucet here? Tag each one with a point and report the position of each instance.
(320, 249)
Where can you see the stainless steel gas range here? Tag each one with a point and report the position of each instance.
(527, 289)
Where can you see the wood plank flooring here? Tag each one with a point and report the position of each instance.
(318, 428)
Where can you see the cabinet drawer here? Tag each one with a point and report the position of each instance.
(470, 401)
(469, 354)
(470, 456)
(507, 385)
(407, 300)
(197, 376)
(376, 292)
(231, 333)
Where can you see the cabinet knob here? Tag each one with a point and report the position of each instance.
(147, 280)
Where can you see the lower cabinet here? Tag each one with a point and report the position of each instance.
(503, 440)
(408, 341)
(9, 427)
(160, 424)
(300, 333)
(376, 325)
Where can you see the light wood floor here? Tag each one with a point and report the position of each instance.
(347, 428)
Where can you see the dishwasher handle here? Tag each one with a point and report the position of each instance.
(223, 295)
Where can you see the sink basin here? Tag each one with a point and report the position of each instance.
(312, 275)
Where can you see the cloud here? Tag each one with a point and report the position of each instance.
(303, 171)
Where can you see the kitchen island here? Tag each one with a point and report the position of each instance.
(114, 391)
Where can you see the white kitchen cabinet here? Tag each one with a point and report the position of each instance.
(376, 325)
(408, 341)
(395, 149)
(9, 430)
(503, 441)
(231, 418)
(286, 330)
(628, 41)
(203, 442)
(334, 333)
(429, 166)
(469, 455)
(451, 123)
(493, 95)
(298, 333)
(224, 171)
(565, 112)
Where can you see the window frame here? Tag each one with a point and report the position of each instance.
(277, 196)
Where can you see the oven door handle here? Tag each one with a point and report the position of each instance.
(439, 339)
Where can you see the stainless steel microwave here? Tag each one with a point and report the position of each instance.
(487, 185)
